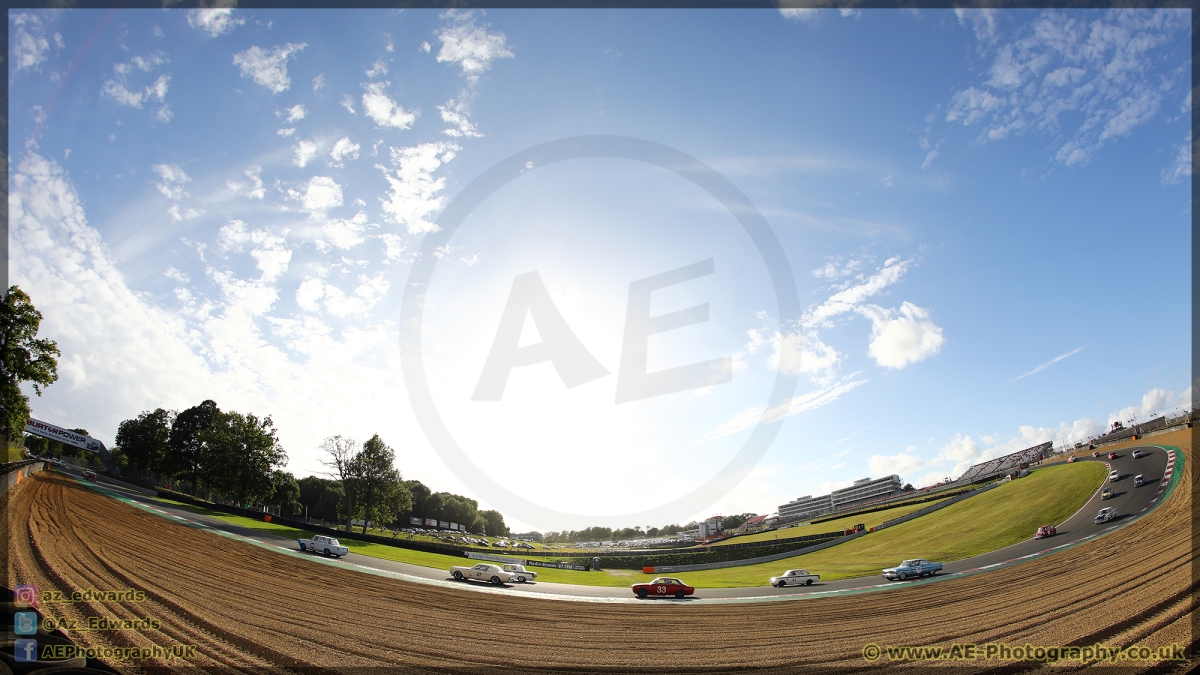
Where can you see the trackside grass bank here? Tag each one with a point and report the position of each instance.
(997, 518)
(868, 519)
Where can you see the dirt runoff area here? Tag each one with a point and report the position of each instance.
(246, 608)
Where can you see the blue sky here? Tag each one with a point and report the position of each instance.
(985, 214)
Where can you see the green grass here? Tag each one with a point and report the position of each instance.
(14, 453)
(997, 518)
(868, 519)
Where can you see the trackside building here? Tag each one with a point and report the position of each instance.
(863, 489)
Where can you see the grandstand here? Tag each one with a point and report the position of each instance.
(1006, 464)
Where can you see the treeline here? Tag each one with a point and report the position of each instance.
(223, 455)
(230, 456)
(610, 534)
(326, 499)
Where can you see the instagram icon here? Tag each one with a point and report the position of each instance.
(25, 595)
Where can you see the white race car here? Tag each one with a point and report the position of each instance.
(1106, 514)
(795, 578)
(482, 572)
(519, 573)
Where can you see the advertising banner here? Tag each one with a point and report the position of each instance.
(431, 522)
(496, 558)
(57, 433)
(443, 524)
(455, 526)
(413, 520)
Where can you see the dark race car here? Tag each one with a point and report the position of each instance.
(663, 586)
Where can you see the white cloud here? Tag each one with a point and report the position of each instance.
(309, 292)
(380, 68)
(342, 149)
(382, 109)
(217, 21)
(425, 47)
(318, 82)
(470, 45)
(393, 245)
(802, 352)
(1181, 168)
(1049, 363)
(295, 113)
(848, 299)
(320, 195)
(982, 21)
(120, 91)
(344, 233)
(754, 415)
(799, 13)
(29, 43)
(173, 179)
(1082, 83)
(286, 133)
(455, 113)
(932, 155)
(164, 114)
(414, 191)
(348, 103)
(268, 68)
(362, 299)
(900, 464)
(305, 150)
(254, 173)
(904, 336)
(1155, 402)
(836, 269)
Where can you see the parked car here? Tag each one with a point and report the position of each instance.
(1138, 453)
(1138, 480)
(1045, 531)
(1112, 455)
(482, 572)
(328, 546)
(1106, 514)
(916, 567)
(1106, 493)
(1071, 459)
(663, 586)
(795, 578)
(519, 573)
(1114, 475)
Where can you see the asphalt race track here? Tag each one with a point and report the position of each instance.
(251, 607)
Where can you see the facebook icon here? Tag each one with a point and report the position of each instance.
(25, 650)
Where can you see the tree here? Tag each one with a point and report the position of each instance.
(144, 440)
(382, 495)
(186, 450)
(343, 456)
(243, 453)
(495, 523)
(23, 358)
(322, 497)
(285, 493)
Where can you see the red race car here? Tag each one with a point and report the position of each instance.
(1112, 455)
(1070, 460)
(1096, 455)
(1045, 531)
(663, 586)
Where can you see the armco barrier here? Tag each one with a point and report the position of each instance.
(753, 561)
(14, 472)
